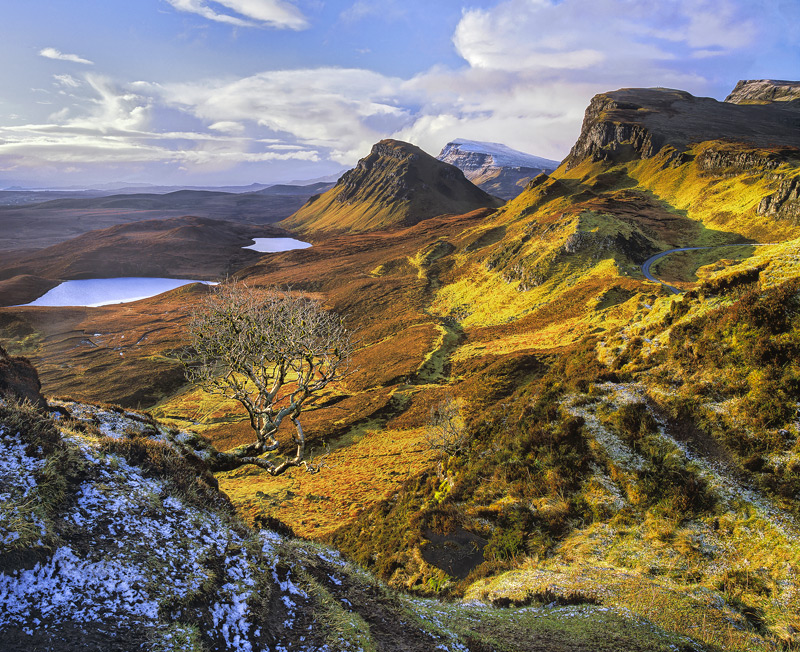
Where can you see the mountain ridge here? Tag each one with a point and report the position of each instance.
(494, 167)
(397, 184)
(650, 119)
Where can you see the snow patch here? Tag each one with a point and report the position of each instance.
(502, 155)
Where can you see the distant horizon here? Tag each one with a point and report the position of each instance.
(111, 185)
(221, 92)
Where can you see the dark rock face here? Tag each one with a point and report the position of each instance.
(640, 122)
(394, 171)
(784, 204)
(764, 91)
(18, 378)
(716, 160)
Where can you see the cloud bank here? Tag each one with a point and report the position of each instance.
(529, 69)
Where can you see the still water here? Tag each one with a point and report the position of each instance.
(104, 291)
(274, 245)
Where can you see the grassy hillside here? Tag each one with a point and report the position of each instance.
(661, 476)
(396, 184)
(111, 540)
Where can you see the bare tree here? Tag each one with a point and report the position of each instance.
(271, 351)
(446, 431)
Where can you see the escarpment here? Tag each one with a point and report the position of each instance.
(637, 123)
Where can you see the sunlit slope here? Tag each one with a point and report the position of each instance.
(732, 167)
(653, 468)
(653, 169)
(397, 184)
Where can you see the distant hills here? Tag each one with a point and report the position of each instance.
(30, 226)
(178, 247)
(494, 167)
(397, 184)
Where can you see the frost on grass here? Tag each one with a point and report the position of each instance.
(131, 554)
(113, 422)
(17, 489)
(616, 449)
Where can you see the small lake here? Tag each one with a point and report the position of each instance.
(274, 245)
(95, 292)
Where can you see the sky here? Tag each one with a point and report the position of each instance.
(233, 92)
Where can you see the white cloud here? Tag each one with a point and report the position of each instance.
(228, 126)
(275, 13)
(52, 53)
(343, 110)
(600, 36)
(530, 68)
(113, 126)
(538, 115)
(68, 81)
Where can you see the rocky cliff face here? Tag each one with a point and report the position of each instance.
(639, 122)
(497, 169)
(764, 91)
(784, 204)
(19, 379)
(396, 184)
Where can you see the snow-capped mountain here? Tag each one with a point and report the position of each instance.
(494, 167)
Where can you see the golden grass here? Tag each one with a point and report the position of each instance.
(354, 478)
(693, 578)
(551, 316)
(726, 201)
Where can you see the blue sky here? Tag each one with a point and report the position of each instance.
(216, 92)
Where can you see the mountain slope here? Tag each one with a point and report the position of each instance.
(623, 445)
(641, 122)
(732, 167)
(397, 184)
(496, 168)
(111, 541)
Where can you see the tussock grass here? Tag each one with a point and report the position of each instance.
(29, 519)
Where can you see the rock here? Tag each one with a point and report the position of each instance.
(397, 184)
(764, 91)
(496, 168)
(19, 378)
(635, 123)
(784, 203)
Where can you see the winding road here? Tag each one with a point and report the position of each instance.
(646, 264)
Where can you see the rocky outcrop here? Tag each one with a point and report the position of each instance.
(784, 203)
(496, 168)
(636, 246)
(397, 184)
(19, 379)
(736, 161)
(641, 122)
(764, 91)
